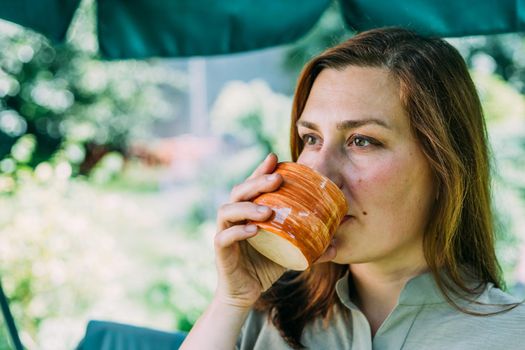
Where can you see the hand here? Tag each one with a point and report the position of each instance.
(243, 273)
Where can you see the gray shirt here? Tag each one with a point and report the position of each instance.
(422, 319)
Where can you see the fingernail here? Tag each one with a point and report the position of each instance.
(271, 177)
(262, 209)
(269, 155)
(250, 228)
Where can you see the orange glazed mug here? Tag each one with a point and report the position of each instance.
(307, 210)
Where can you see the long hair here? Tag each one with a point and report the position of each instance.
(447, 119)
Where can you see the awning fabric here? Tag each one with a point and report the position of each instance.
(180, 28)
(445, 18)
(49, 17)
(184, 28)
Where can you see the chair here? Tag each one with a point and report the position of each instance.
(9, 320)
(103, 335)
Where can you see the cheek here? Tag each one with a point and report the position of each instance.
(389, 184)
(374, 178)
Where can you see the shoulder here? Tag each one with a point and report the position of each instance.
(493, 295)
(494, 299)
(498, 324)
(498, 309)
(258, 332)
(256, 319)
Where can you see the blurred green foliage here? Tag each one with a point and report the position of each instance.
(502, 55)
(61, 105)
(504, 109)
(257, 123)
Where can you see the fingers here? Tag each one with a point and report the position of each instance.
(232, 213)
(266, 167)
(240, 209)
(328, 255)
(258, 182)
(226, 238)
(251, 188)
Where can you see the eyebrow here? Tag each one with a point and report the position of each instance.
(346, 124)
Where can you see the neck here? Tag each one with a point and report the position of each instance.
(377, 289)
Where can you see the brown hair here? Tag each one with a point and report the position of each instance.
(446, 117)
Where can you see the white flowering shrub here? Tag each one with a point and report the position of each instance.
(71, 251)
(253, 114)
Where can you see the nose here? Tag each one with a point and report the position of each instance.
(327, 165)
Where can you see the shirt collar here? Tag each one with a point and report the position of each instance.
(419, 290)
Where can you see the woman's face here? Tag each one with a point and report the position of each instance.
(356, 132)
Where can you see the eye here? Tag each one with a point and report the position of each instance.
(361, 141)
(309, 139)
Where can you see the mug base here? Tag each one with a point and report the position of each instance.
(279, 250)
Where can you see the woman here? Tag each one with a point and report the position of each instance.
(394, 120)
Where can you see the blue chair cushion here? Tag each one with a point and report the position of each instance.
(103, 335)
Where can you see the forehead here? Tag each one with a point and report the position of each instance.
(355, 93)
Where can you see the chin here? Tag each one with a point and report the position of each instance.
(340, 261)
(342, 257)
(346, 255)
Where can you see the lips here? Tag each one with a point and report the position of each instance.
(346, 218)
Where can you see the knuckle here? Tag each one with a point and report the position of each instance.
(236, 190)
(223, 208)
(218, 241)
(221, 211)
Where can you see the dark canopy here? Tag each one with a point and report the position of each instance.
(178, 28)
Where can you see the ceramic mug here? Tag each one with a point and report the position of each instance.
(307, 210)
